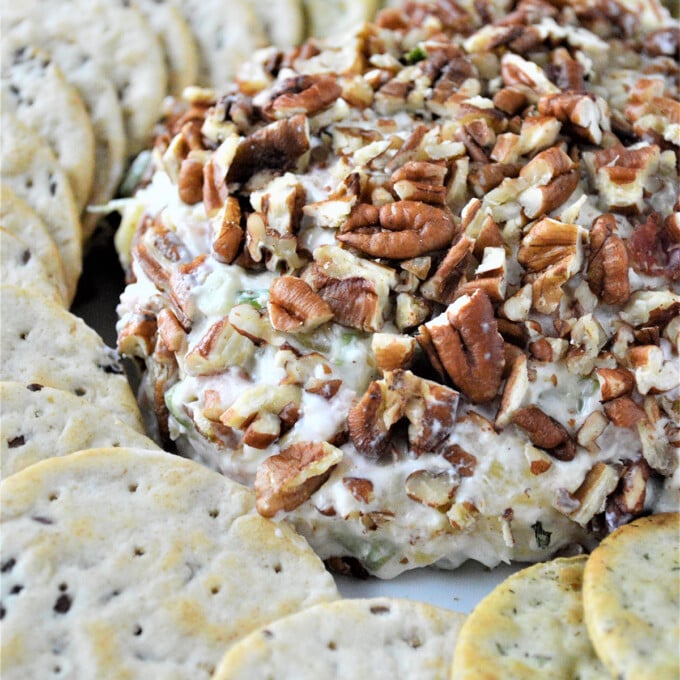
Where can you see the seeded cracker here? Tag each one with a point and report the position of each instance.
(40, 342)
(530, 626)
(129, 563)
(35, 90)
(19, 266)
(30, 169)
(380, 638)
(39, 422)
(17, 217)
(631, 598)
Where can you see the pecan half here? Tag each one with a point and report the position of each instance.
(464, 343)
(400, 230)
(286, 480)
(545, 432)
(608, 262)
(294, 307)
(420, 181)
(277, 146)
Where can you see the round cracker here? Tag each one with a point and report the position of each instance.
(631, 597)
(17, 217)
(20, 266)
(338, 16)
(140, 564)
(179, 46)
(227, 33)
(116, 37)
(283, 20)
(40, 342)
(42, 422)
(530, 626)
(378, 638)
(32, 171)
(35, 90)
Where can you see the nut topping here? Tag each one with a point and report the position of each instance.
(465, 343)
(294, 307)
(608, 262)
(286, 480)
(545, 432)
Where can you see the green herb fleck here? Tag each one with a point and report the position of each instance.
(501, 649)
(542, 536)
(255, 298)
(415, 55)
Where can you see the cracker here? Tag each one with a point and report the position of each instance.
(631, 598)
(174, 34)
(17, 217)
(116, 37)
(227, 33)
(20, 266)
(530, 626)
(40, 342)
(373, 638)
(140, 564)
(35, 90)
(332, 18)
(32, 171)
(283, 20)
(42, 422)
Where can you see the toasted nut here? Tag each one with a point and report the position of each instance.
(608, 262)
(367, 427)
(539, 461)
(420, 181)
(465, 343)
(294, 307)
(258, 400)
(435, 489)
(593, 426)
(545, 432)
(190, 180)
(463, 462)
(431, 412)
(278, 146)
(286, 480)
(137, 338)
(628, 501)
(463, 516)
(518, 71)
(400, 230)
(588, 114)
(410, 311)
(227, 231)
(552, 252)
(215, 191)
(441, 286)
(624, 412)
(614, 382)
(308, 94)
(647, 307)
(516, 388)
(171, 331)
(263, 431)
(652, 372)
(393, 351)
(600, 481)
(360, 488)
(221, 346)
(251, 323)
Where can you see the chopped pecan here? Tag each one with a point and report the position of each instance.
(510, 100)
(435, 489)
(652, 372)
(628, 500)
(588, 114)
(137, 337)
(171, 331)
(262, 431)
(221, 346)
(227, 232)
(624, 412)
(420, 181)
(614, 382)
(400, 230)
(545, 432)
(295, 307)
(215, 191)
(592, 495)
(652, 250)
(463, 462)
(302, 94)
(258, 400)
(593, 426)
(264, 243)
(367, 427)
(464, 344)
(360, 488)
(486, 176)
(410, 311)
(277, 146)
(608, 262)
(190, 180)
(565, 72)
(552, 252)
(441, 286)
(393, 351)
(286, 480)
(516, 388)
(518, 71)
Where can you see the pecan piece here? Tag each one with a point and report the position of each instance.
(277, 146)
(435, 489)
(190, 180)
(591, 496)
(545, 432)
(286, 480)
(624, 412)
(393, 351)
(308, 94)
(294, 307)
(420, 181)
(588, 114)
(608, 262)
(466, 344)
(227, 231)
(136, 339)
(402, 230)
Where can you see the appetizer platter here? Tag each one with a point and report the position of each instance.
(321, 324)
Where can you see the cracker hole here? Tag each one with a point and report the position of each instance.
(132, 488)
(137, 630)
(34, 387)
(3, 611)
(8, 565)
(63, 587)
(79, 392)
(53, 496)
(23, 336)
(379, 609)
(214, 590)
(16, 589)
(278, 568)
(139, 551)
(63, 604)
(28, 183)
(56, 670)
(214, 513)
(26, 256)
(15, 442)
(332, 646)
